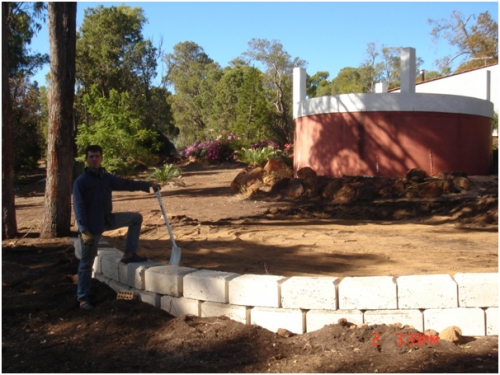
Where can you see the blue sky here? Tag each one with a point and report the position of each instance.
(328, 35)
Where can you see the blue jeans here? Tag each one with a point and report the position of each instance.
(133, 221)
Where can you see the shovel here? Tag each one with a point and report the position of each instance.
(175, 257)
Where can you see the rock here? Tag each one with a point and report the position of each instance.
(306, 172)
(246, 178)
(462, 183)
(416, 174)
(284, 332)
(400, 186)
(314, 186)
(365, 194)
(452, 334)
(273, 165)
(277, 168)
(332, 188)
(447, 186)
(280, 186)
(346, 194)
(430, 190)
(343, 322)
(362, 325)
(458, 174)
(397, 325)
(431, 332)
(295, 188)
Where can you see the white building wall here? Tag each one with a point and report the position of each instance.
(473, 83)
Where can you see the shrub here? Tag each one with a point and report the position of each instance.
(257, 156)
(162, 175)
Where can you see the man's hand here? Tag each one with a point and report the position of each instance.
(155, 187)
(87, 238)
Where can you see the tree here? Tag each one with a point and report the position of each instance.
(187, 67)
(62, 32)
(23, 25)
(107, 48)
(117, 129)
(9, 223)
(253, 113)
(278, 79)
(476, 43)
(318, 85)
(347, 81)
(383, 65)
(27, 117)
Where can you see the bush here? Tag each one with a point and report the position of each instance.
(257, 156)
(162, 175)
(217, 150)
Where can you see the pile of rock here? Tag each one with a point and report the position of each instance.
(276, 179)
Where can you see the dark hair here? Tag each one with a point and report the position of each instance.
(93, 148)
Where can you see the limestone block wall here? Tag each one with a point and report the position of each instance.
(303, 304)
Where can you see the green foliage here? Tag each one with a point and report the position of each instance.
(257, 156)
(277, 81)
(476, 43)
(187, 67)
(23, 23)
(117, 130)
(27, 136)
(162, 175)
(495, 121)
(318, 85)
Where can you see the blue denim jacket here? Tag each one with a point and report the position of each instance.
(92, 198)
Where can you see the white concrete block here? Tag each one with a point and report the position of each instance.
(256, 290)
(100, 253)
(207, 285)
(103, 279)
(472, 321)
(132, 274)
(117, 286)
(149, 297)
(367, 293)
(477, 289)
(317, 319)
(492, 321)
(238, 313)
(109, 265)
(413, 318)
(274, 318)
(427, 292)
(178, 306)
(310, 293)
(167, 280)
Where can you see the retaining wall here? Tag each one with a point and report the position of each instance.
(305, 304)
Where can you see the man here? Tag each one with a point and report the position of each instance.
(93, 212)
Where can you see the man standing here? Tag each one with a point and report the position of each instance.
(93, 212)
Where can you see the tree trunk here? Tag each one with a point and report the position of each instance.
(62, 33)
(9, 224)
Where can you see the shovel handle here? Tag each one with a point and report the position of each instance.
(157, 193)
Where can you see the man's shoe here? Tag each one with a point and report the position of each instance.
(134, 259)
(85, 305)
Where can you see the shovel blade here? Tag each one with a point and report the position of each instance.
(175, 257)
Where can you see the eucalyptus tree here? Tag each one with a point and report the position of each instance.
(187, 67)
(278, 66)
(475, 39)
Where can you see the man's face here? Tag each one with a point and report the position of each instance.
(94, 159)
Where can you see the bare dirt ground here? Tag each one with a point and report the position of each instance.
(44, 331)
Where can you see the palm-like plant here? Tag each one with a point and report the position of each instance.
(255, 157)
(162, 175)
